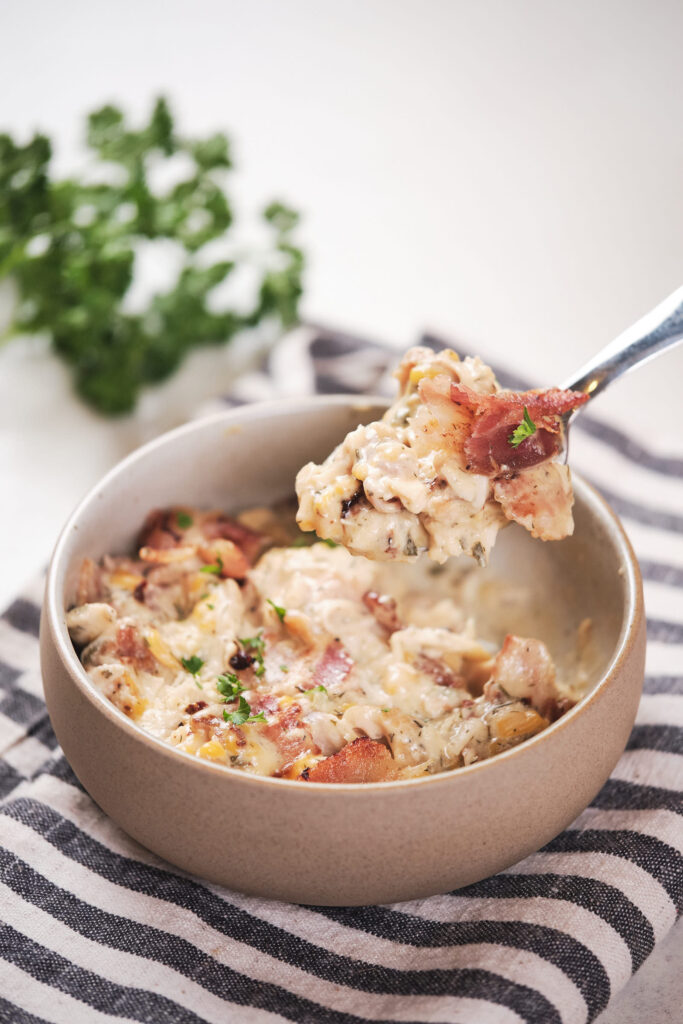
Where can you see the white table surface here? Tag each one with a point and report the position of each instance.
(505, 173)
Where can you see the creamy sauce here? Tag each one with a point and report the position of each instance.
(323, 649)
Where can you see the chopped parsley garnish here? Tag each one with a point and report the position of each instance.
(229, 686)
(330, 543)
(184, 521)
(317, 689)
(255, 645)
(192, 665)
(216, 568)
(281, 612)
(211, 606)
(525, 429)
(243, 714)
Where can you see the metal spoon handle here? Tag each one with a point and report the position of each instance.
(658, 330)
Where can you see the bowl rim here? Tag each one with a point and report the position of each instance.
(53, 614)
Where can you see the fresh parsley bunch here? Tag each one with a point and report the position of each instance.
(69, 245)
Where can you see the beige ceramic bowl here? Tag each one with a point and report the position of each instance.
(343, 844)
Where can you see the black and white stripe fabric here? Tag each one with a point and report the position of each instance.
(95, 929)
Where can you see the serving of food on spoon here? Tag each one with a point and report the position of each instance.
(455, 457)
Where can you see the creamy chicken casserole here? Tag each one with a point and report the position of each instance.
(243, 643)
(451, 461)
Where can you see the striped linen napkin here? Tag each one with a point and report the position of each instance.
(94, 928)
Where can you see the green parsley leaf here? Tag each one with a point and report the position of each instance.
(184, 521)
(70, 247)
(240, 716)
(255, 645)
(284, 668)
(243, 715)
(317, 689)
(525, 429)
(192, 665)
(216, 569)
(229, 686)
(281, 612)
(330, 543)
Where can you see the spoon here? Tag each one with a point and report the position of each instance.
(657, 331)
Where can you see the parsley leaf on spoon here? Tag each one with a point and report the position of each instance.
(525, 429)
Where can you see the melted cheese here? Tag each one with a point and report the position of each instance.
(335, 668)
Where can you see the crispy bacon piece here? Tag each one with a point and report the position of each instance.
(266, 702)
(196, 706)
(539, 499)
(160, 531)
(290, 736)
(216, 526)
(439, 671)
(131, 648)
(488, 450)
(228, 555)
(208, 726)
(364, 760)
(383, 607)
(333, 667)
(89, 589)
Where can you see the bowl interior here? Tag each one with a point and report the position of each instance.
(251, 456)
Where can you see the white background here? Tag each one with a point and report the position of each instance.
(509, 174)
